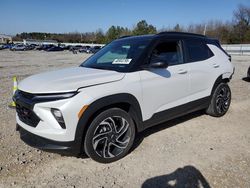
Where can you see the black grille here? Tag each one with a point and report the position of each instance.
(25, 95)
(27, 116)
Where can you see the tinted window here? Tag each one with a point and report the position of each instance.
(197, 50)
(169, 51)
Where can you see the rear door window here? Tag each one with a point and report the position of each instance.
(197, 50)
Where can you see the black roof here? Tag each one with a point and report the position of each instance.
(182, 34)
(167, 34)
(137, 37)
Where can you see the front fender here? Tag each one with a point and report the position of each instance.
(103, 103)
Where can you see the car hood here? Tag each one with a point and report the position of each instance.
(69, 79)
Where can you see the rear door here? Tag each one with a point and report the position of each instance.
(202, 68)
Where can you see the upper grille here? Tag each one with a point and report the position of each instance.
(25, 95)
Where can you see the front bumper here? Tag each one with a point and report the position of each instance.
(36, 116)
(39, 128)
(66, 148)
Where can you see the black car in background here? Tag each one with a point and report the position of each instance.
(94, 49)
(75, 48)
(64, 47)
(45, 47)
(54, 49)
(31, 46)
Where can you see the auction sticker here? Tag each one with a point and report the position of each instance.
(121, 61)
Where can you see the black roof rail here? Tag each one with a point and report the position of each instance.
(125, 36)
(180, 33)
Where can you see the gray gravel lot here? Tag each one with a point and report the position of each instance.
(193, 151)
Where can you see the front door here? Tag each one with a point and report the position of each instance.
(165, 88)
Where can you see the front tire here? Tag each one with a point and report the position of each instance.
(110, 136)
(220, 101)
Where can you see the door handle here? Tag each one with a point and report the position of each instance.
(216, 65)
(181, 71)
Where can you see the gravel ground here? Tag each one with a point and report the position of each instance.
(193, 151)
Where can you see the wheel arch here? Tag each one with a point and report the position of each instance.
(221, 79)
(125, 101)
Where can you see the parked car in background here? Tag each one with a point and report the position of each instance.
(84, 49)
(64, 47)
(1, 47)
(31, 46)
(39, 47)
(45, 47)
(76, 47)
(94, 49)
(67, 47)
(18, 47)
(7, 46)
(54, 49)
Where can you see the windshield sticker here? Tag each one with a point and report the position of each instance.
(121, 61)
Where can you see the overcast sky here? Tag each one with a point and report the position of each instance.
(62, 16)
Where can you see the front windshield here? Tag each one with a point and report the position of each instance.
(118, 55)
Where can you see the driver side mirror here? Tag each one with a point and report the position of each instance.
(157, 62)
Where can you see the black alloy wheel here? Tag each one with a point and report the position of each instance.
(110, 136)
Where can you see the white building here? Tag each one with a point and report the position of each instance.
(5, 38)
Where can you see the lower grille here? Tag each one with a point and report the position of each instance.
(27, 116)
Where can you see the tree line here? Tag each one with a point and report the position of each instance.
(230, 32)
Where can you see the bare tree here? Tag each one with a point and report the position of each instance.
(242, 21)
(242, 15)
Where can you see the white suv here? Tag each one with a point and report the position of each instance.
(129, 85)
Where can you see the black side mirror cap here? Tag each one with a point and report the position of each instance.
(156, 65)
(159, 64)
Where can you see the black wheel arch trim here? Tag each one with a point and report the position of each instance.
(102, 104)
(219, 80)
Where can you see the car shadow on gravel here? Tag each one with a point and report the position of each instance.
(140, 136)
(246, 79)
(154, 129)
(187, 176)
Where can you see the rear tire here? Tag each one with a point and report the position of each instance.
(220, 101)
(110, 136)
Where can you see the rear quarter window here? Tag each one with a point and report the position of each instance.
(197, 50)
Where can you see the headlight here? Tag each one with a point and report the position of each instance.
(53, 97)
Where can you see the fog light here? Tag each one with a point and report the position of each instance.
(59, 117)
